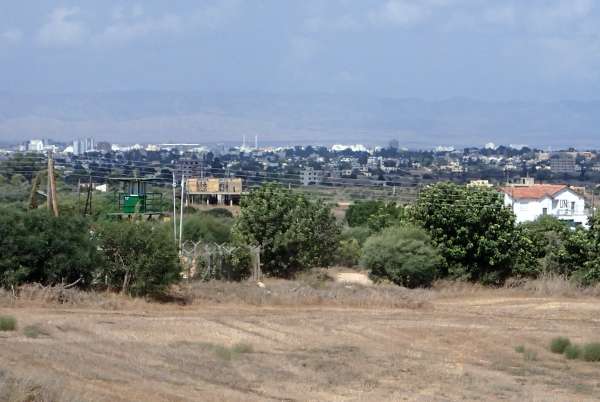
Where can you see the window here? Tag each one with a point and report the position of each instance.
(572, 205)
(545, 211)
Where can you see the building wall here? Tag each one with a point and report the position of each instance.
(560, 206)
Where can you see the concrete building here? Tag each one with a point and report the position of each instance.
(311, 176)
(563, 162)
(557, 200)
(213, 191)
(190, 168)
(104, 146)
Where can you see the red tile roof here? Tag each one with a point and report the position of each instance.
(534, 192)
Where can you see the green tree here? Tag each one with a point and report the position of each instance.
(388, 214)
(38, 247)
(405, 255)
(474, 231)
(582, 253)
(293, 232)
(358, 213)
(17, 179)
(546, 236)
(141, 257)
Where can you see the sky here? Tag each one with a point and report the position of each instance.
(542, 50)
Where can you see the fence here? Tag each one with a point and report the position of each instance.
(207, 261)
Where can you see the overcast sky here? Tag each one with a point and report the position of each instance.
(431, 49)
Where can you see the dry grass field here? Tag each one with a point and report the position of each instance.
(290, 341)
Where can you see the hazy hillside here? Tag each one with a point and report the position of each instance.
(193, 117)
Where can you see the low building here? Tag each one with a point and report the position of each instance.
(479, 183)
(536, 200)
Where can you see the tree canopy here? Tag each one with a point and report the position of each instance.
(293, 232)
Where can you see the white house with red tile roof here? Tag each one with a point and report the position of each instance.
(558, 200)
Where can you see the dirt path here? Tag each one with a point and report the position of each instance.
(452, 350)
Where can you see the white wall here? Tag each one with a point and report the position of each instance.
(560, 206)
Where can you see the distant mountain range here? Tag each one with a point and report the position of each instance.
(130, 117)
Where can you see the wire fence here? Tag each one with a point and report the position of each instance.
(208, 261)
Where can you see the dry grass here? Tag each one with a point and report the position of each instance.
(545, 286)
(459, 349)
(42, 388)
(315, 288)
(295, 293)
(37, 295)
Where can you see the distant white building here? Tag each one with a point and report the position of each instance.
(35, 146)
(479, 183)
(83, 145)
(352, 147)
(557, 200)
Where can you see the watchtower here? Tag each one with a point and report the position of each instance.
(135, 200)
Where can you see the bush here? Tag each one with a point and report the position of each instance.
(388, 214)
(141, 257)
(591, 352)
(8, 323)
(559, 344)
(403, 255)
(530, 355)
(358, 214)
(236, 266)
(520, 349)
(207, 228)
(359, 233)
(572, 352)
(547, 236)
(219, 213)
(348, 253)
(294, 233)
(34, 331)
(38, 247)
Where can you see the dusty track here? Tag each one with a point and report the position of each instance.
(453, 349)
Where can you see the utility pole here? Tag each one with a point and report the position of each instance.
(79, 195)
(88, 200)
(52, 199)
(32, 197)
(49, 183)
(174, 208)
(181, 212)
